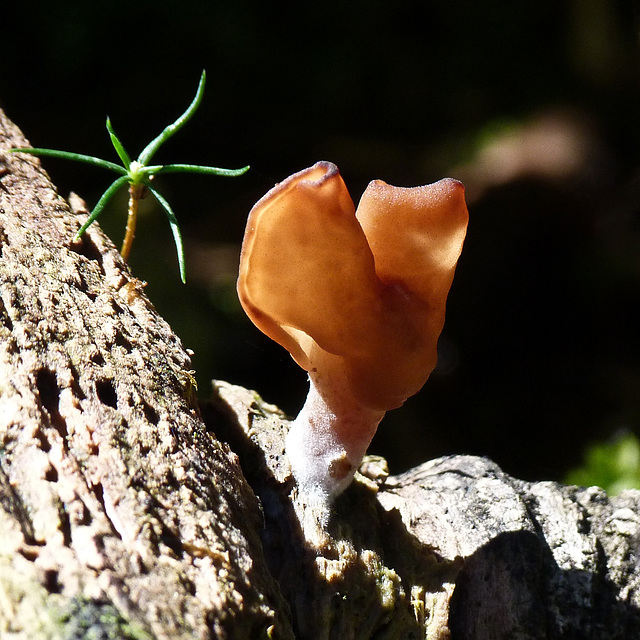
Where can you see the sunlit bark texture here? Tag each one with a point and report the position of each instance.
(114, 497)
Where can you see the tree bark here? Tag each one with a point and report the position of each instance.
(128, 511)
(117, 503)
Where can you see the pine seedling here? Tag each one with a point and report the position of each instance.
(138, 174)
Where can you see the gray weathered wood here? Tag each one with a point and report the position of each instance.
(453, 548)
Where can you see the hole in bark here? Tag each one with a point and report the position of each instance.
(45, 445)
(86, 287)
(86, 247)
(51, 475)
(29, 553)
(4, 316)
(97, 358)
(65, 526)
(99, 541)
(98, 491)
(51, 582)
(75, 384)
(122, 341)
(48, 389)
(49, 393)
(85, 518)
(150, 413)
(107, 393)
(170, 479)
(3, 236)
(172, 541)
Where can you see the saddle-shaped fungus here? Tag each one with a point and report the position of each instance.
(357, 298)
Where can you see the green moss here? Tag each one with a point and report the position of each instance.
(614, 466)
(29, 610)
(95, 620)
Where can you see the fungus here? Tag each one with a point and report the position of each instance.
(357, 298)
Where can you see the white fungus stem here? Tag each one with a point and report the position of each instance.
(327, 441)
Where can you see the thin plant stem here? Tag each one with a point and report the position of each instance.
(136, 191)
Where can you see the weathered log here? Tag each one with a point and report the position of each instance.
(115, 498)
(128, 511)
(453, 548)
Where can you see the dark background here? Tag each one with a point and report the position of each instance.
(534, 104)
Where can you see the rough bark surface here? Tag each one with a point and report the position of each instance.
(127, 511)
(115, 498)
(454, 548)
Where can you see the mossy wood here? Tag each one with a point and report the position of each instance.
(128, 511)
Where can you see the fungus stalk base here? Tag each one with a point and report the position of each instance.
(327, 442)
